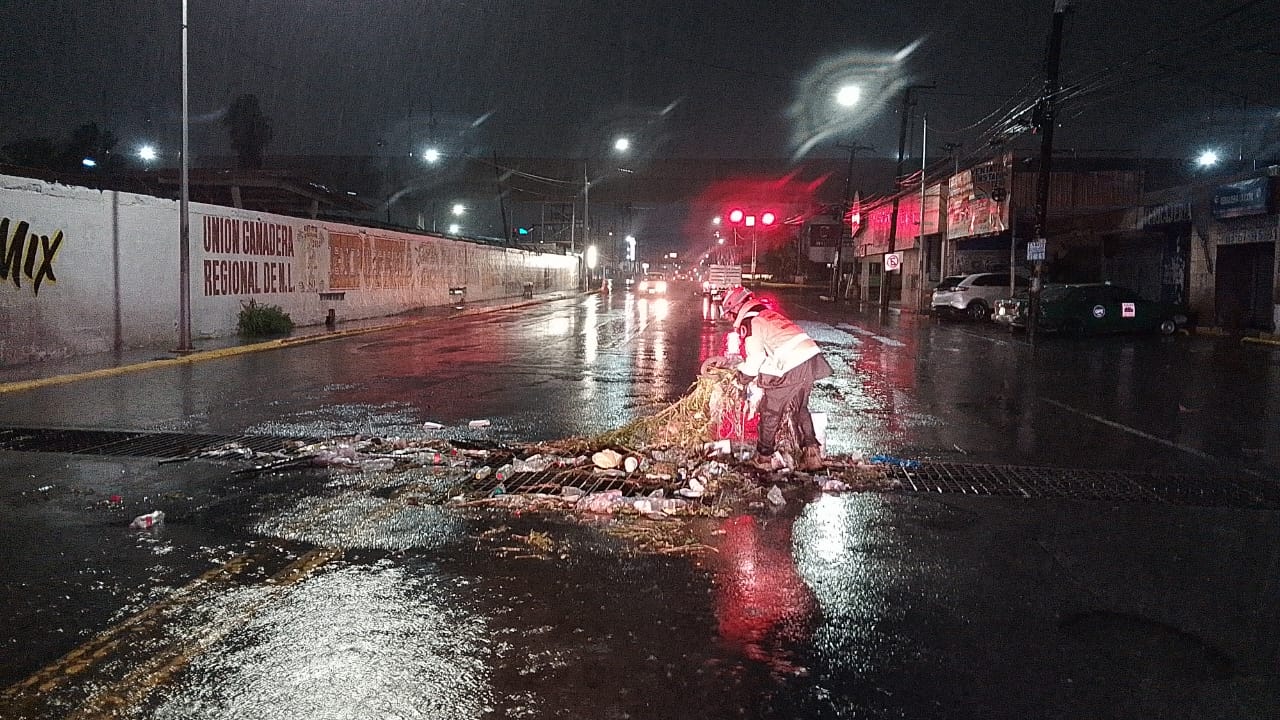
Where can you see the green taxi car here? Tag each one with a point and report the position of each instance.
(1092, 308)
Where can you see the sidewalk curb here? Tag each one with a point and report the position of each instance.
(23, 385)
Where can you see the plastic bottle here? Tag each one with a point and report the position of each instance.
(148, 521)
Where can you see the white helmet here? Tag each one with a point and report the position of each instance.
(735, 299)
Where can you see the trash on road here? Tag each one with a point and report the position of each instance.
(775, 496)
(148, 521)
(691, 459)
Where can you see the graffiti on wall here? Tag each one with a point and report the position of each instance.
(311, 242)
(371, 262)
(20, 251)
(240, 275)
(388, 265)
(346, 261)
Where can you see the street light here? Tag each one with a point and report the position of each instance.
(431, 155)
(454, 228)
(459, 209)
(622, 144)
(147, 153)
(1208, 158)
(848, 95)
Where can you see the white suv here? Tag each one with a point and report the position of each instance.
(973, 295)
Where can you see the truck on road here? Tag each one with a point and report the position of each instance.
(719, 278)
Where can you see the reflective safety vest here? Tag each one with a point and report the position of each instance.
(776, 345)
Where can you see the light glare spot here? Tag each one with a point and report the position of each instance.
(849, 95)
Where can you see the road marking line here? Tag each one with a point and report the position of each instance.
(102, 644)
(160, 668)
(1146, 436)
(862, 331)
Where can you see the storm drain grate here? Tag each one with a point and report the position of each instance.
(1071, 484)
(924, 477)
(550, 482)
(128, 443)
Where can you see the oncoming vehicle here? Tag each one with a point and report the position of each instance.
(653, 283)
(1092, 308)
(973, 295)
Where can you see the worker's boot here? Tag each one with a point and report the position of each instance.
(762, 462)
(811, 460)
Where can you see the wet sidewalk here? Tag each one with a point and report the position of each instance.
(30, 375)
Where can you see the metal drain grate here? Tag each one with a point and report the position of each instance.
(128, 443)
(1105, 485)
(925, 477)
(550, 482)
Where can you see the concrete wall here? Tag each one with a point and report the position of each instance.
(87, 271)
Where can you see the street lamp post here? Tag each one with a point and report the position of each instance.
(184, 215)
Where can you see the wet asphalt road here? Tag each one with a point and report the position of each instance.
(326, 594)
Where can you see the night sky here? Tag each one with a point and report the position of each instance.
(682, 78)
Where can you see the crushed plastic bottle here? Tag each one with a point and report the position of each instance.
(775, 496)
(148, 521)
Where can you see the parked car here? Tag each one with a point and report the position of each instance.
(974, 295)
(1092, 308)
(653, 284)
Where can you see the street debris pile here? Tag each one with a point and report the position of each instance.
(690, 459)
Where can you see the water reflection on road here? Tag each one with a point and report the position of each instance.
(377, 640)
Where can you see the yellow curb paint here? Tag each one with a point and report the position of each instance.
(1261, 341)
(24, 385)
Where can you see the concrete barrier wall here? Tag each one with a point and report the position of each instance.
(88, 271)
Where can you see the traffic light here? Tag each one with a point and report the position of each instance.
(522, 231)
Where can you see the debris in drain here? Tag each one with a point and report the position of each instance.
(690, 459)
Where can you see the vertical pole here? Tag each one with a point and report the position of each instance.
(924, 260)
(907, 111)
(502, 203)
(885, 278)
(1054, 56)
(837, 275)
(586, 207)
(184, 214)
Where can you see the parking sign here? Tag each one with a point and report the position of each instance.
(892, 261)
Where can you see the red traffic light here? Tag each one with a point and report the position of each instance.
(768, 219)
(735, 215)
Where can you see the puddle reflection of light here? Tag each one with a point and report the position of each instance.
(660, 307)
(841, 548)
(590, 333)
(557, 326)
(829, 516)
(338, 645)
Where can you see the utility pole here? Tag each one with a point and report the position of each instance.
(1046, 122)
(838, 274)
(502, 203)
(907, 110)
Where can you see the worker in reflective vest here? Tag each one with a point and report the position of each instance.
(784, 362)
